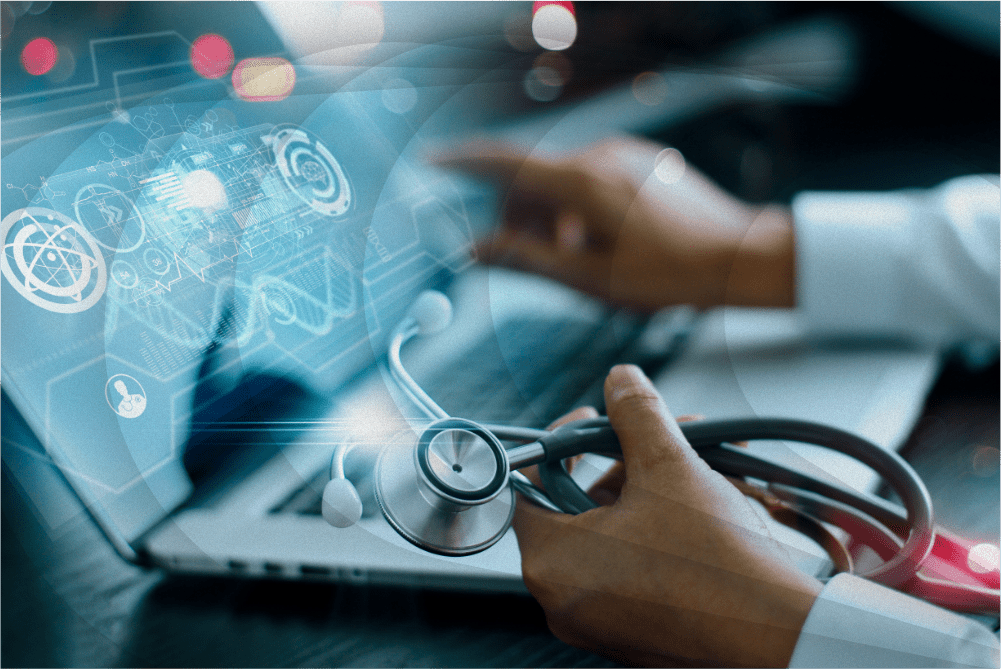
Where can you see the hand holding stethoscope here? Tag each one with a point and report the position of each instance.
(452, 492)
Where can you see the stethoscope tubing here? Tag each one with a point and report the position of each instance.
(709, 439)
(903, 537)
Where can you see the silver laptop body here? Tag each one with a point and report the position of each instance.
(291, 246)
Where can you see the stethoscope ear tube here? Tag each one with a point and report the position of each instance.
(596, 435)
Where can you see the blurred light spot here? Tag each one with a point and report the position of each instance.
(211, 56)
(39, 56)
(669, 166)
(64, 68)
(650, 88)
(361, 23)
(264, 79)
(986, 461)
(121, 116)
(204, 190)
(984, 558)
(557, 63)
(7, 20)
(518, 31)
(565, 4)
(38, 7)
(328, 33)
(549, 74)
(399, 96)
(554, 26)
(539, 84)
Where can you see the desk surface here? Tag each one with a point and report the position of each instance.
(70, 601)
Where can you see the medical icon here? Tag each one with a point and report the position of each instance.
(311, 171)
(57, 264)
(107, 212)
(121, 399)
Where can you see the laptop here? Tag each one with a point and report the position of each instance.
(198, 297)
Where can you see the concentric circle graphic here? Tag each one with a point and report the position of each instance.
(279, 304)
(106, 211)
(123, 274)
(148, 293)
(57, 264)
(311, 172)
(156, 260)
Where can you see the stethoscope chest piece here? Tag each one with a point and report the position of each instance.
(459, 502)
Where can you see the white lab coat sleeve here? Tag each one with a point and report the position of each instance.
(858, 623)
(915, 264)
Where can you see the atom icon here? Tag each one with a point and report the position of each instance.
(57, 264)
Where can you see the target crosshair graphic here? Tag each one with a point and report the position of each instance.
(57, 265)
(311, 171)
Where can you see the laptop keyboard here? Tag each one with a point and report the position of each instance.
(529, 372)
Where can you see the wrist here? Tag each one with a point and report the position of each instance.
(761, 269)
(786, 608)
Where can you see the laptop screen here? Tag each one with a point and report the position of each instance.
(177, 212)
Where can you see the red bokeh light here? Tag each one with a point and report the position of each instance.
(211, 56)
(39, 56)
(565, 5)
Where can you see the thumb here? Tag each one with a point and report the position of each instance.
(649, 435)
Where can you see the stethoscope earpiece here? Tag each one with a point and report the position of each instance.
(341, 505)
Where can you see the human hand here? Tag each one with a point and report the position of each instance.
(676, 567)
(603, 221)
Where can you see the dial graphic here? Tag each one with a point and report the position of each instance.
(51, 260)
(111, 217)
(311, 171)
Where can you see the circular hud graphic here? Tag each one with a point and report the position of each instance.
(51, 260)
(125, 396)
(311, 172)
(107, 212)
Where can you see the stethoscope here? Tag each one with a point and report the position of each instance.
(452, 492)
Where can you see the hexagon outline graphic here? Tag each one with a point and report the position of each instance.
(69, 469)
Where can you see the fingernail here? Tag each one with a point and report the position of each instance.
(624, 378)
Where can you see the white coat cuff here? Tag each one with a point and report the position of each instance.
(847, 250)
(857, 623)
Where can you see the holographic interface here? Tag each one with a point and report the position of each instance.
(214, 211)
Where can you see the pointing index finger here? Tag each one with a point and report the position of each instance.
(497, 161)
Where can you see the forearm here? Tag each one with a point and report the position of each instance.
(758, 267)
